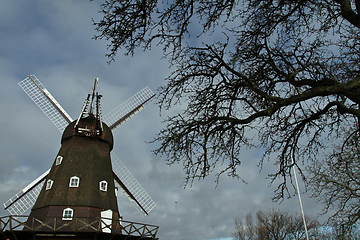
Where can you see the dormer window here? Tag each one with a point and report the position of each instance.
(49, 184)
(58, 160)
(74, 182)
(68, 214)
(103, 185)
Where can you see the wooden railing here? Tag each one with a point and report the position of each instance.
(56, 224)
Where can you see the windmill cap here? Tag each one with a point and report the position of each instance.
(88, 123)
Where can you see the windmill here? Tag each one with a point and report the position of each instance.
(90, 129)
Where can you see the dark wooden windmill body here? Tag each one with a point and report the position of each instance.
(80, 183)
(79, 192)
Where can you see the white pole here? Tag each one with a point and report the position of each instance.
(301, 206)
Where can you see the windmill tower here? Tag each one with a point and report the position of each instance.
(78, 193)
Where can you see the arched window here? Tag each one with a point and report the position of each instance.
(58, 160)
(74, 181)
(68, 214)
(49, 184)
(103, 185)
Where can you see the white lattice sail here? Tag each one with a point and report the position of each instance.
(46, 102)
(129, 108)
(142, 202)
(26, 198)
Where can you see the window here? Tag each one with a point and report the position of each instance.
(74, 181)
(49, 184)
(58, 160)
(68, 214)
(103, 186)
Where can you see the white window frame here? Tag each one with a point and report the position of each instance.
(74, 181)
(103, 186)
(58, 160)
(68, 214)
(49, 184)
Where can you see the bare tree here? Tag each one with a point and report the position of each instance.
(336, 181)
(244, 232)
(275, 225)
(283, 77)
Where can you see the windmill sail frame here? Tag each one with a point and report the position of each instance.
(46, 102)
(133, 190)
(26, 198)
(129, 108)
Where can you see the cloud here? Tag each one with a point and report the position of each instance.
(52, 40)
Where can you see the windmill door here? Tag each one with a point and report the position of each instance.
(106, 220)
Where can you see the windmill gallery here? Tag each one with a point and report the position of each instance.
(72, 202)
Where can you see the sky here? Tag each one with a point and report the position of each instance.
(53, 40)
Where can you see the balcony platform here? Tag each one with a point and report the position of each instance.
(25, 228)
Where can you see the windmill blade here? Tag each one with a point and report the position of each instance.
(129, 195)
(26, 198)
(46, 102)
(129, 108)
(131, 187)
